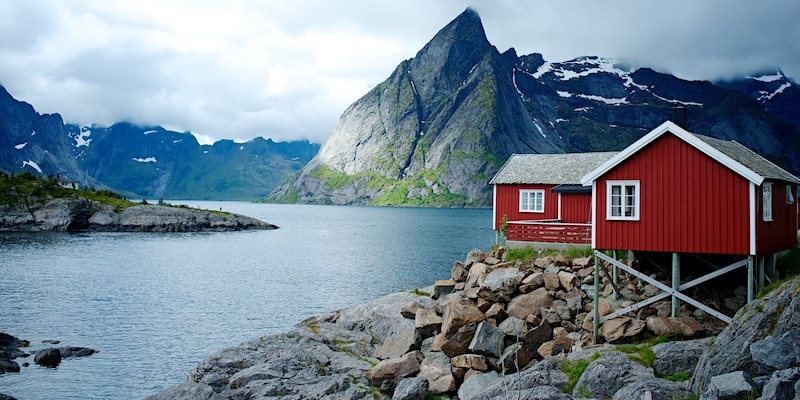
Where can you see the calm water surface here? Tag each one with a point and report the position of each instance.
(157, 304)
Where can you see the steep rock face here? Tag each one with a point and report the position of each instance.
(433, 133)
(439, 127)
(35, 142)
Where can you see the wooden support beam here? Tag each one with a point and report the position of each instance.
(751, 260)
(596, 321)
(676, 282)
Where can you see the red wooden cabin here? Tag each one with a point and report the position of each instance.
(541, 199)
(673, 191)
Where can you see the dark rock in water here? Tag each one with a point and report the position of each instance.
(6, 397)
(48, 358)
(71, 351)
(7, 365)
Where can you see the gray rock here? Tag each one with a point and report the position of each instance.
(500, 284)
(48, 358)
(6, 397)
(513, 327)
(397, 345)
(782, 384)
(436, 369)
(653, 389)
(678, 356)
(475, 384)
(459, 343)
(487, 340)
(388, 373)
(530, 303)
(797, 391)
(731, 348)
(781, 353)
(609, 373)
(73, 352)
(411, 389)
(543, 374)
(187, 391)
(731, 386)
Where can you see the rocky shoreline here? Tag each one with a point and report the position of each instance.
(82, 215)
(500, 329)
(12, 348)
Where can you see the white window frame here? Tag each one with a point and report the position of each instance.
(789, 194)
(528, 206)
(634, 205)
(767, 195)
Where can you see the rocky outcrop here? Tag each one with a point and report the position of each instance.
(761, 341)
(79, 215)
(467, 343)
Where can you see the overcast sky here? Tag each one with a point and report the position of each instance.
(237, 69)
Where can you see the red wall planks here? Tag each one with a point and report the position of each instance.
(689, 203)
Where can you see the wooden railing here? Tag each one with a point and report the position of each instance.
(549, 232)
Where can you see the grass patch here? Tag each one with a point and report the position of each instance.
(641, 353)
(526, 253)
(574, 369)
(681, 376)
(419, 292)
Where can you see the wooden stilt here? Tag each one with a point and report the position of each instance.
(751, 260)
(676, 282)
(614, 278)
(761, 273)
(596, 321)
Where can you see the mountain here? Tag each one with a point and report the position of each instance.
(147, 162)
(436, 130)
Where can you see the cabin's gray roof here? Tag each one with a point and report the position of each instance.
(549, 169)
(749, 159)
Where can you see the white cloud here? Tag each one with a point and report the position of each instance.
(286, 69)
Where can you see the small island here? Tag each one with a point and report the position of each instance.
(32, 204)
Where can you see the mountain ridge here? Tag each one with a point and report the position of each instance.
(436, 130)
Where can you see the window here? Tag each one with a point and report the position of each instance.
(789, 194)
(531, 201)
(766, 204)
(622, 200)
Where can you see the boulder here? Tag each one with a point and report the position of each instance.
(535, 279)
(781, 353)
(653, 388)
(436, 369)
(542, 375)
(72, 351)
(513, 327)
(413, 388)
(474, 256)
(457, 314)
(530, 303)
(782, 384)
(775, 314)
(410, 311)
(557, 346)
(488, 340)
(500, 284)
(561, 260)
(397, 345)
(443, 288)
(551, 281)
(476, 275)
(567, 280)
(582, 262)
(731, 386)
(459, 273)
(539, 335)
(621, 328)
(515, 356)
(476, 383)
(470, 361)
(387, 373)
(187, 391)
(678, 356)
(686, 326)
(48, 358)
(427, 323)
(609, 373)
(543, 262)
(497, 311)
(459, 343)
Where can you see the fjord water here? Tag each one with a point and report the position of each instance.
(155, 304)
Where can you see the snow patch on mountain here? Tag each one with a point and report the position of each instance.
(21, 146)
(149, 132)
(81, 138)
(768, 78)
(768, 96)
(676, 101)
(32, 164)
(145, 160)
(612, 102)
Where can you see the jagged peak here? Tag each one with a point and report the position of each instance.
(465, 31)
